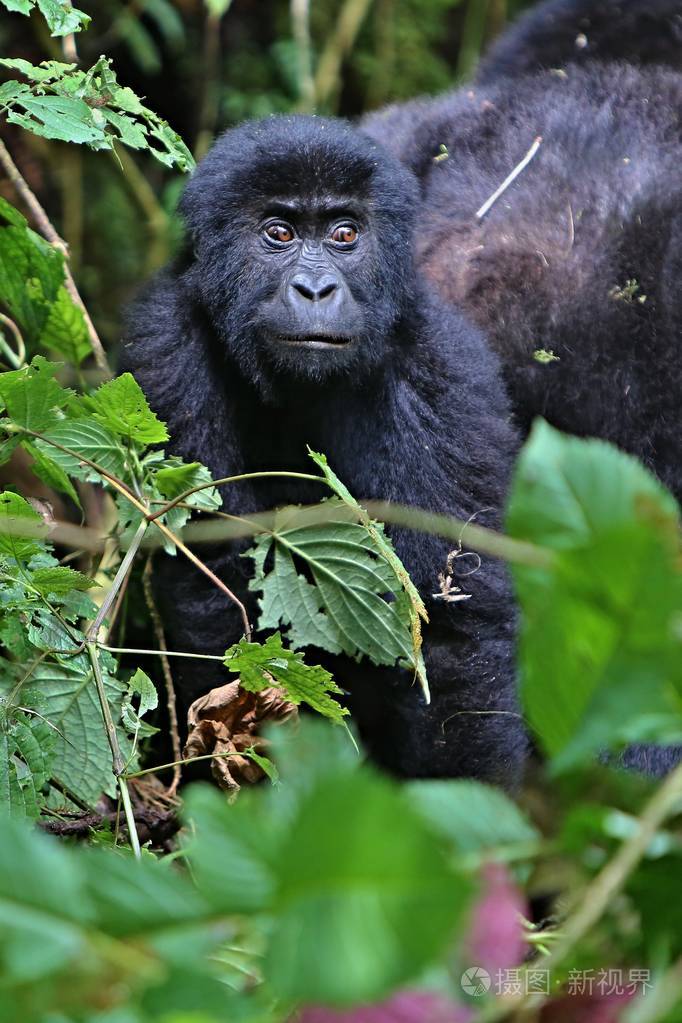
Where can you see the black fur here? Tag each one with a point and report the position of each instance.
(548, 267)
(582, 255)
(416, 414)
(579, 32)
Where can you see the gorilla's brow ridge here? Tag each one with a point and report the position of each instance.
(329, 205)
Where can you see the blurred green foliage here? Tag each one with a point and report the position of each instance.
(204, 66)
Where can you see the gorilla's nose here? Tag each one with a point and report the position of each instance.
(314, 287)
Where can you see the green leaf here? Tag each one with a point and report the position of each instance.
(244, 835)
(140, 685)
(86, 438)
(474, 817)
(41, 902)
(25, 747)
(66, 697)
(50, 473)
(89, 107)
(601, 647)
(344, 608)
(61, 17)
(364, 892)
(259, 664)
(122, 407)
(59, 580)
(16, 514)
(66, 118)
(31, 274)
(32, 396)
(65, 331)
(415, 605)
(175, 477)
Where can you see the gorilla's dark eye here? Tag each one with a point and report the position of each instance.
(278, 231)
(344, 234)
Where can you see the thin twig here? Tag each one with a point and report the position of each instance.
(209, 575)
(187, 760)
(48, 231)
(167, 674)
(116, 755)
(140, 651)
(121, 574)
(234, 479)
(489, 203)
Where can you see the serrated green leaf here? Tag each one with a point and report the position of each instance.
(66, 697)
(87, 438)
(258, 664)
(31, 273)
(345, 610)
(59, 580)
(89, 107)
(122, 407)
(415, 605)
(32, 396)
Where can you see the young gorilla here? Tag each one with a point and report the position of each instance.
(582, 255)
(294, 318)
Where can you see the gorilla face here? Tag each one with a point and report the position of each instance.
(302, 256)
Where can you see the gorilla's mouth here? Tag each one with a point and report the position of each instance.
(317, 341)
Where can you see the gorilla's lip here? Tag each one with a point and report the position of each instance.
(317, 341)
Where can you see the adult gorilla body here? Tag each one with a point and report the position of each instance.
(294, 318)
(582, 255)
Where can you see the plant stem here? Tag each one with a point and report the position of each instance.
(116, 755)
(234, 479)
(186, 760)
(121, 574)
(47, 230)
(171, 702)
(158, 653)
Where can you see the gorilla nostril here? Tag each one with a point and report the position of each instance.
(314, 289)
